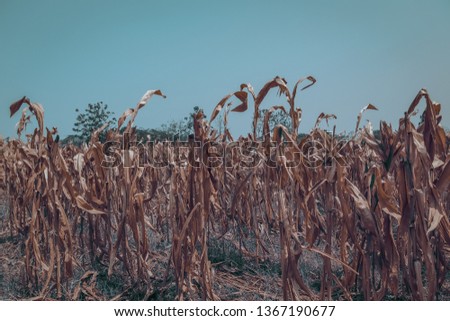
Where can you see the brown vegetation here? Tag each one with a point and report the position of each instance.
(372, 213)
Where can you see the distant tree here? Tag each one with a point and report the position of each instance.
(377, 134)
(183, 128)
(153, 134)
(175, 129)
(72, 139)
(278, 117)
(92, 118)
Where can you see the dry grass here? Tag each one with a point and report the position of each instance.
(368, 221)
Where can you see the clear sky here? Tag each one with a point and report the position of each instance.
(66, 54)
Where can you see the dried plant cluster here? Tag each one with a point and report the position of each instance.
(375, 210)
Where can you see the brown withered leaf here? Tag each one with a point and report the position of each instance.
(444, 179)
(370, 107)
(310, 78)
(85, 206)
(324, 116)
(363, 207)
(15, 106)
(144, 100)
(241, 95)
(249, 88)
(123, 117)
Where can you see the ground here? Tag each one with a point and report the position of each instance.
(236, 278)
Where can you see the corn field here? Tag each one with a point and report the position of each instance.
(373, 210)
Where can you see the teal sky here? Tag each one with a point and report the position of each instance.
(66, 54)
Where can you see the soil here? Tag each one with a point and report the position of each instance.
(235, 278)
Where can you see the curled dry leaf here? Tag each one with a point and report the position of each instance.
(15, 106)
(370, 107)
(324, 116)
(241, 95)
(144, 100)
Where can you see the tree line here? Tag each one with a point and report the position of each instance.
(98, 114)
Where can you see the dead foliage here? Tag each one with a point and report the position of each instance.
(375, 210)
